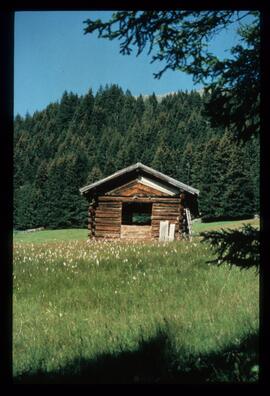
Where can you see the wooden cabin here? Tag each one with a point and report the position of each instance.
(133, 202)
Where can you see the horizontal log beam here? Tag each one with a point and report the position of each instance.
(166, 208)
(105, 205)
(165, 205)
(105, 234)
(105, 198)
(136, 236)
(106, 227)
(157, 223)
(162, 214)
(165, 217)
(108, 220)
(114, 210)
(108, 214)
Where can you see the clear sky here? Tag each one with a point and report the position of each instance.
(52, 54)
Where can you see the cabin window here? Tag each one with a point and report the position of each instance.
(136, 213)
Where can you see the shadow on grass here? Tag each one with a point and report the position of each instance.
(156, 362)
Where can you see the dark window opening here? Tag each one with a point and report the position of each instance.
(136, 213)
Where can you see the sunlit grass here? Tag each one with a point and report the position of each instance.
(217, 225)
(79, 234)
(87, 298)
(51, 235)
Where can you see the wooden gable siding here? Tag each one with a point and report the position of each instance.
(158, 185)
(136, 188)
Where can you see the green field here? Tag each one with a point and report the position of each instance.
(73, 234)
(138, 312)
(81, 234)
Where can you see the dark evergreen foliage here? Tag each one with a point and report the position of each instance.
(235, 247)
(179, 40)
(83, 139)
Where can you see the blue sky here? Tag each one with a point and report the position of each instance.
(51, 55)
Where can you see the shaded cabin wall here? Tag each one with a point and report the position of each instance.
(165, 211)
(105, 214)
(105, 219)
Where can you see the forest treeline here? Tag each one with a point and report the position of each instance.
(81, 139)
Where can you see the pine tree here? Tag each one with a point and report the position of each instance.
(81, 121)
(24, 216)
(239, 195)
(42, 195)
(81, 140)
(139, 108)
(163, 159)
(66, 110)
(187, 164)
(252, 161)
(209, 192)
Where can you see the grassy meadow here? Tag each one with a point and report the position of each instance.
(105, 312)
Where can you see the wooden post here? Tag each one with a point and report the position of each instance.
(171, 232)
(163, 230)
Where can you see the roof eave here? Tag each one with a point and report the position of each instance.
(153, 172)
(115, 174)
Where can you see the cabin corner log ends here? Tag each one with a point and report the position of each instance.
(130, 205)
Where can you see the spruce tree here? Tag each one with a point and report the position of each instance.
(163, 159)
(81, 140)
(209, 192)
(239, 195)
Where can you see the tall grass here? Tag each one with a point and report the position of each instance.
(80, 300)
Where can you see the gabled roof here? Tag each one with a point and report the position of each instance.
(144, 169)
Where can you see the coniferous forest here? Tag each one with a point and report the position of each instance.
(83, 139)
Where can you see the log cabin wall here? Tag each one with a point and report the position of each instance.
(91, 218)
(165, 211)
(182, 217)
(107, 220)
(138, 184)
(105, 215)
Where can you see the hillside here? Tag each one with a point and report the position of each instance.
(82, 139)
